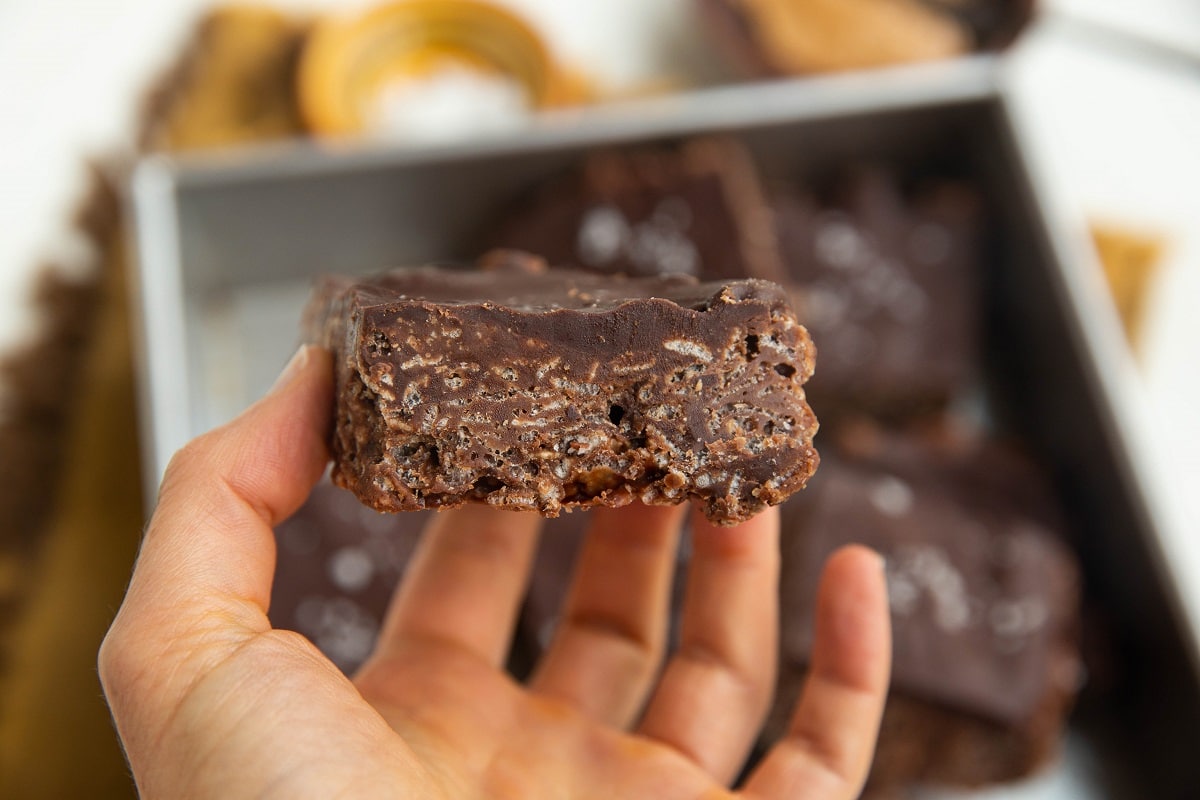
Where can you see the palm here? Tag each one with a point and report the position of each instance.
(491, 738)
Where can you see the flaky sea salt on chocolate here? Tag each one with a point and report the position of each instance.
(544, 389)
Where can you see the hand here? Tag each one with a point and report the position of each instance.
(210, 701)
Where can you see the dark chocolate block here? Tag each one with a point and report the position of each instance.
(697, 209)
(541, 389)
(994, 24)
(887, 288)
(984, 597)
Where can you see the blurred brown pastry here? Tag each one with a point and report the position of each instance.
(379, 71)
(233, 84)
(993, 23)
(794, 37)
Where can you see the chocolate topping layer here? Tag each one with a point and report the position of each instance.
(697, 209)
(984, 595)
(888, 289)
(541, 389)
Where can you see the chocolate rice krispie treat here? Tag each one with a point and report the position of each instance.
(696, 209)
(887, 283)
(539, 389)
(984, 597)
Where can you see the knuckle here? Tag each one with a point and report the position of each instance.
(117, 662)
(186, 458)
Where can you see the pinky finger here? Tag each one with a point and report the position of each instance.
(827, 751)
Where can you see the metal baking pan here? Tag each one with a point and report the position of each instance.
(228, 245)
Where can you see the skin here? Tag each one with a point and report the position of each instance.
(210, 701)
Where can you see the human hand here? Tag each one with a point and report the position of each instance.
(210, 701)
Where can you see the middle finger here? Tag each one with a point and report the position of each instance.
(609, 643)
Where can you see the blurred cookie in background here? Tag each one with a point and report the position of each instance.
(428, 69)
(771, 38)
(415, 71)
(231, 85)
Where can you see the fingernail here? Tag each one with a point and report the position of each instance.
(293, 368)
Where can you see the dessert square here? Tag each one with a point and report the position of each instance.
(984, 597)
(539, 389)
(696, 209)
(887, 284)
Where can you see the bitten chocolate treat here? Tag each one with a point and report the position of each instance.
(887, 288)
(697, 210)
(540, 389)
(984, 598)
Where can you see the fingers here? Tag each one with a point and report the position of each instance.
(715, 692)
(828, 749)
(465, 583)
(610, 640)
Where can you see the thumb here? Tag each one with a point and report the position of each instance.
(224, 492)
(204, 573)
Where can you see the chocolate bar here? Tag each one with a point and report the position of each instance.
(539, 389)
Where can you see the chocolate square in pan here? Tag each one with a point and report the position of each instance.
(984, 597)
(540, 389)
(887, 284)
(696, 209)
